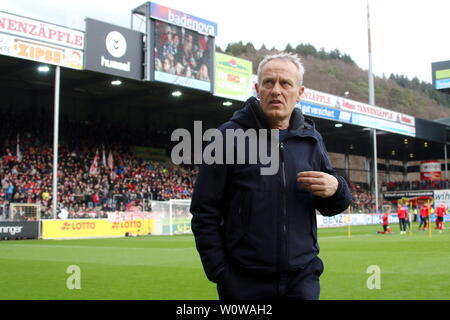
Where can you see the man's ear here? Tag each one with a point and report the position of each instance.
(257, 90)
(300, 93)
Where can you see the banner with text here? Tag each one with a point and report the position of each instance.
(341, 103)
(94, 228)
(113, 50)
(233, 77)
(442, 196)
(19, 47)
(430, 170)
(19, 230)
(183, 20)
(323, 105)
(41, 31)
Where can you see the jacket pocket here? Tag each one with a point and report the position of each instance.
(314, 231)
(237, 224)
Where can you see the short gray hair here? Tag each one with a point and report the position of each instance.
(284, 56)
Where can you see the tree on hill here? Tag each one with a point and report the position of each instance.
(335, 72)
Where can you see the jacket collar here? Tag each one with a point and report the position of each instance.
(251, 116)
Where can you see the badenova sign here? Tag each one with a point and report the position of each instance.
(183, 20)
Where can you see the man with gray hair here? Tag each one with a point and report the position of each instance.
(257, 234)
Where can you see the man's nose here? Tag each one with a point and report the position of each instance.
(276, 90)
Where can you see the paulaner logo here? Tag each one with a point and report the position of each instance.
(241, 147)
(187, 22)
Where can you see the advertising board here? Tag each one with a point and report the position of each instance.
(442, 196)
(430, 170)
(113, 50)
(41, 31)
(94, 228)
(19, 230)
(35, 40)
(233, 77)
(183, 20)
(19, 47)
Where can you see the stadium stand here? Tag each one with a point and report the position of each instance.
(130, 183)
(362, 198)
(416, 185)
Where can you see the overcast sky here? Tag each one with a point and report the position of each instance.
(407, 35)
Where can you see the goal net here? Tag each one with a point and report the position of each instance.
(24, 212)
(171, 217)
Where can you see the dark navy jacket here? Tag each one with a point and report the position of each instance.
(264, 223)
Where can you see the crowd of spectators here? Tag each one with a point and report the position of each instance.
(181, 52)
(363, 201)
(415, 185)
(121, 182)
(131, 181)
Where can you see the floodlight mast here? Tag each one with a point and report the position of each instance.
(373, 131)
(144, 10)
(56, 141)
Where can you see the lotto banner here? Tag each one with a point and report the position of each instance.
(94, 228)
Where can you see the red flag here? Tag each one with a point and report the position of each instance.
(93, 170)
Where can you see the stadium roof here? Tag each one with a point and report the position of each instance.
(96, 89)
(445, 121)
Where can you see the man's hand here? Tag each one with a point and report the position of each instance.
(318, 183)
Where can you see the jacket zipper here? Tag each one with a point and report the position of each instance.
(242, 220)
(284, 241)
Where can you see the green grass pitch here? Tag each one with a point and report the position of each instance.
(168, 268)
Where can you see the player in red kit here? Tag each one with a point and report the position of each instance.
(402, 214)
(424, 217)
(386, 229)
(441, 211)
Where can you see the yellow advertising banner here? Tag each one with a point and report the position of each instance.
(94, 228)
(41, 52)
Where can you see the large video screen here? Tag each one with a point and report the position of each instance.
(182, 56)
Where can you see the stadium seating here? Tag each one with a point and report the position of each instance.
(131, 182)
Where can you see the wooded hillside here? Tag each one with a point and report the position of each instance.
(336, 73)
